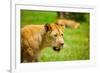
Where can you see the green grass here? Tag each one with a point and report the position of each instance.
(37, 17)
(76, 40)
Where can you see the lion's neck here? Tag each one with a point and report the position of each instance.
(46, 41)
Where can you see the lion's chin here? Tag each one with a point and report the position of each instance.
(56, 49)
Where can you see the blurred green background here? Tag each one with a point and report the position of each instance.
(76, 40)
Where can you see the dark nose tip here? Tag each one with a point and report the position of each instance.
(62, 44)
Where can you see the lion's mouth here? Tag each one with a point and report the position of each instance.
(56, 49)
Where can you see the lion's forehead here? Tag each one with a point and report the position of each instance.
(57, 29)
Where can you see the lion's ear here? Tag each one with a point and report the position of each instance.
(47, 27)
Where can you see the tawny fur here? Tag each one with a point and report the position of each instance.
(34, 38)
(68, 23)
(31, 41)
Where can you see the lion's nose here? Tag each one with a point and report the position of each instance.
(62, 44)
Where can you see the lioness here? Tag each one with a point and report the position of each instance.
(36, 37)
(68, 23)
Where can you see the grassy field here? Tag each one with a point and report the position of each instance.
(76, 40)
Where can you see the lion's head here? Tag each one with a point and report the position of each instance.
(55, 35)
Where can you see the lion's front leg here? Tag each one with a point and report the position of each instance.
(36, 57)
(33, 55)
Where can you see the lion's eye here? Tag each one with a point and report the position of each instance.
(61, 34)
(55, 35)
